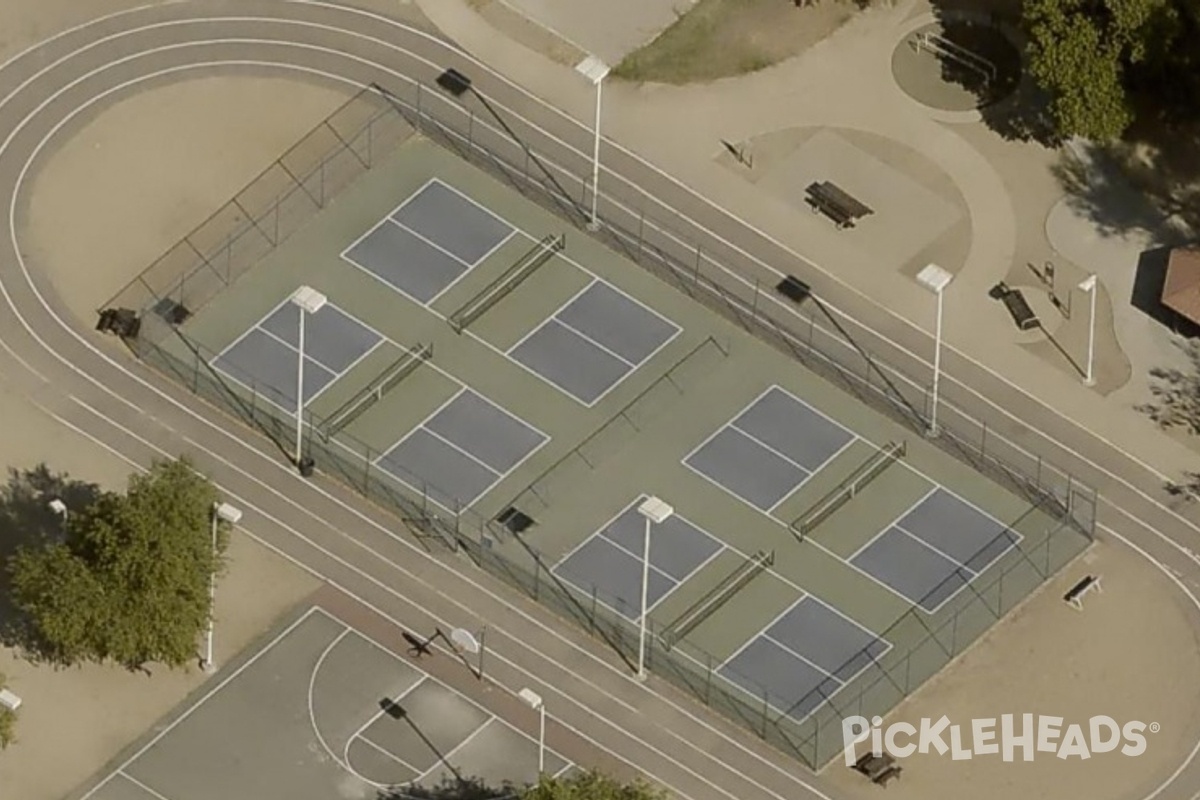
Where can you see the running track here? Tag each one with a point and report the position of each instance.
(77, 378)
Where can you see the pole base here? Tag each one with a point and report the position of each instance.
(593, 225)
(208, 667)
(932, 432)
(306, 466)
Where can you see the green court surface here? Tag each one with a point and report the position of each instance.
(822, 631)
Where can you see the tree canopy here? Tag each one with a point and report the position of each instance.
(592, 785)
(8, 721)
(1102, 59)
(129, 580)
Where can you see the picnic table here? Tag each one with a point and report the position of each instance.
(829, 199)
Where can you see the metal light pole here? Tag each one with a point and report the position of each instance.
(308, 301)
(221, 512)
(534, 701)
(59, 508)
(656, 512)
(935, 279)
(595, 71)
(1088, 285)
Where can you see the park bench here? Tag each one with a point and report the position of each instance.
(1075, 595)
(879, 769)
(827, 198)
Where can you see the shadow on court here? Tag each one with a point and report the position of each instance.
(322, 710)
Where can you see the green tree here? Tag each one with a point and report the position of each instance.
(8, 721)
(130, 582)
(592, 786)
(1091, 54)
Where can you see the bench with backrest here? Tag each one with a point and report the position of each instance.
(829, 199)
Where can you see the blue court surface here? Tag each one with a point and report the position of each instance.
(461, 450)
(609, 562)
(426, 245)
(266, 357)
(803, 658)
(935, 549)
(770, 449)
(593, 341)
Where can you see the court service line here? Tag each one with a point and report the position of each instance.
(120, 770)
(387, 589)
(894, 523)
(142, 785)
(597, 345)
(103, 356)
(829, 459)
(385, 752)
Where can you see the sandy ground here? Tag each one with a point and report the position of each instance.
(145, 172)
(1049, 659)
(127, 186)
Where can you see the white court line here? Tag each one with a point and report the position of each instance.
(733, 424)
(200, 701)
(445, 759)
(828, 460)
(376, 714)
(258, 325)
(800, 401)
(384, 751)
(766, 637)
(470, 267)
(552, 316)
(421, 424)
(434, 679)
(598, 346)
(894, 523)
(246, 502)
(385, 218)
(141, 785)
(1178, 583)
(603, 527)
(637, 557)
(761, 631)
(431, 432)
(485, 208)
(418, 235)
(546, 324)
(951, 559)
(365, 270)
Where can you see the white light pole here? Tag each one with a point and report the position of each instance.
(59, 508)
(1088, 285)
(595, 71)
(309, 301)
(935, 279)
(534, 701)
(221, 512)
(657, 512)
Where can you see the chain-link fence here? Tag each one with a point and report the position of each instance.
(821, 338)
(273, 206)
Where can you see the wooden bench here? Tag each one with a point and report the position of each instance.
(831, 200)
(1075, 595)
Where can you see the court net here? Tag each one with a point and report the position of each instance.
(373, 392)
(510, 279)
(716, 597)
(841, 494)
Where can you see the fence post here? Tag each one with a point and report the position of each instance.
(754, 303)
(592, 615)
(766, 708)
(696, 276)
(366, 490)
(370, 142)
(983, 441)
(470, 134)
(708, 681)
(641, 230)
(321, 192)
(418, 104)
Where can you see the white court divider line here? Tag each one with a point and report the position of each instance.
(894, 523)
(358, 733)
(828, 460)
(773, 451)
(470, 267)
(421, 424)
(552, 316)
(142, 785)
(258, 325)
(385, 21)
(598, 346)
(431, 432)
(385, 218)
(164, 395)
(199, 702)
(537, 679)
(387, 753)
(418, 235)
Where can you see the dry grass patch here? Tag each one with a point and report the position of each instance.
(721, 38)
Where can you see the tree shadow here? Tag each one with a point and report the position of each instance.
(1100, 184)
(27, 520)
(452, 789)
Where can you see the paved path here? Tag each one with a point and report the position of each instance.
(75, 375)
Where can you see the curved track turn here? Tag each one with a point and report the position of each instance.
(45, 93)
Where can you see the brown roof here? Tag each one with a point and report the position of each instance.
(1181, 289)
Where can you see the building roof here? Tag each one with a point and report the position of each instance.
(1181, 289)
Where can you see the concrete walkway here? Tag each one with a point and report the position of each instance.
(680, 129)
